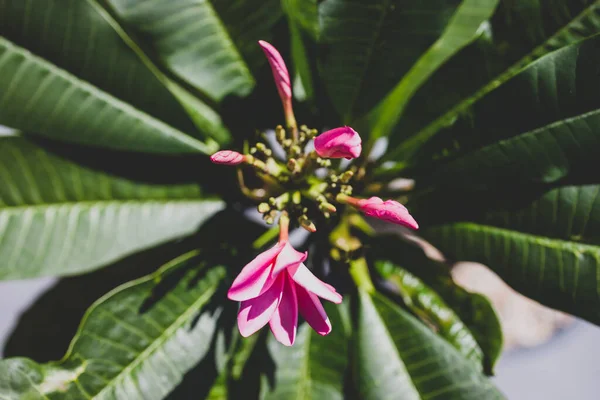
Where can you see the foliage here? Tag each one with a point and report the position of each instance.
(492, 107)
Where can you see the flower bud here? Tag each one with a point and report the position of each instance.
(342, 142)
(228, 157)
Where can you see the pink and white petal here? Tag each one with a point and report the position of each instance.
(255, 313)
(313, 312)
(284, 321)
(303, 277)
(288, 257)
(255, 278)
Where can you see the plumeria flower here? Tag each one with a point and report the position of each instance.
(342, 142)
(389, 210)
(276, 285)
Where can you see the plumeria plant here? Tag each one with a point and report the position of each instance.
(150, 168)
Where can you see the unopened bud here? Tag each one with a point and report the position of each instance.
(346, 176)
(263, 208)
(307, 224)
(296, 197)
(292, 165)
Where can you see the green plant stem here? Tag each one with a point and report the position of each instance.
(359, 270)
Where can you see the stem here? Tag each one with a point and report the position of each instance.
(359, 270)
(284, 227)
(265, 238)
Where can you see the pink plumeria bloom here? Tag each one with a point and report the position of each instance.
(342, 142)
(272, 289)
(389, 210)
(282, 80)
(228, 157)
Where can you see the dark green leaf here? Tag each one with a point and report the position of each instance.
(78, 37)
(368, 46)
(503, 50)
(546, 249)
(134, 343)
(209, 44)
(556, 95)
(315, 367)
(462, 29)
(37, 96)
(59, 218)
(396, 356)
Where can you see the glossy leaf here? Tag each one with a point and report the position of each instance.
(554, 112)
(397, 356)
(133, 343)
(368, 46)
(500, 53)
(546, 249)
(464, 26)
(39, 97)
(305, 13)
(430, 307)
(471, 309)
(81, 38)
(315, 366)
(59, 218)
(208, 44)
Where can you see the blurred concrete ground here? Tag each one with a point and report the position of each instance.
(567, 366)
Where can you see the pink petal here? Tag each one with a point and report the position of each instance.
(280, 72)
(288, 257)
(255, 313)
(255, 278)
(284, 321)
(343, 142)
(227, 157)
(313, 312)
(303, 277)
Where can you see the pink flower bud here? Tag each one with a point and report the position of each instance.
(389, 210)
(339, 142)
(282, 79)
(228, 157)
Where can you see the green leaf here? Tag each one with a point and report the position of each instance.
(368, 46)
(315, 366)
(81, 38)
(36, 96)
(463, 28)
(59, 218)
(503, 50)
(431, 308)
(397, 356)
(546, 249)
(554, 94)
(208, 44)
(305, 13)
(136, 342)
(471, 309)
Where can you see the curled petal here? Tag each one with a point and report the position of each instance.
(303, 277)
(288, 257)
(389, 210)
(312, 310)
(342, 142)
(280, 74)
(255, 313)
(256, 277)
(227, 157)
(284, 321)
